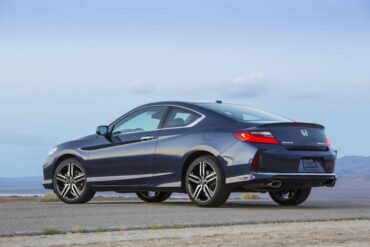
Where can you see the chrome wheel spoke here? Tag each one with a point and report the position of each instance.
(62, 178)
(208, 191)
(79, 178)
(197, 191)
(211, 177)
(75, 190)
(202, 167)
(195, 179)
(151, 194)
(71, 170)
(286, 195)
(65, 190)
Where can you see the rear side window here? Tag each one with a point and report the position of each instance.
(245, 113)
(180, 117)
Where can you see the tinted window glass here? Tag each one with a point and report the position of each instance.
(245, 113)
(179, 117)
(146, 119)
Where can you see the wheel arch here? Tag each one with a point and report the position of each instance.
(64, 157)
(189, 159)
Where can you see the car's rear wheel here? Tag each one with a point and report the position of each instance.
(153, 196)
(205, 182)
(292, 197)
(70, 182)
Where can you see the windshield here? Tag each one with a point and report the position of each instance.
(245, 113)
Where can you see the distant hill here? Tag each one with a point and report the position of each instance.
(353, 181)
(353, 165)
(22, 185)
(353, 173)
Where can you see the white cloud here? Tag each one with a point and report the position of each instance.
(300, 92)
(259, 85)
(252, 85)
(140, 88)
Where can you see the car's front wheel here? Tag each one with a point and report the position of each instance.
(152, 196)
(70, 182)
(205, 182)
(291, 197)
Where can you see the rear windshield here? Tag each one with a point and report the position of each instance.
(245, 113)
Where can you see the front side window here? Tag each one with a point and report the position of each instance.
(179, 117)
(146, 119)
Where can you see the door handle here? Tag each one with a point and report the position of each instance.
(147, 138)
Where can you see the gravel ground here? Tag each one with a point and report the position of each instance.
(321, 233)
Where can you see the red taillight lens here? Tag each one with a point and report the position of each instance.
(256, 137)
(328, 142)
(255, 162)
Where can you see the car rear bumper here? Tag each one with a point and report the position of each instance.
(268, 181)
(296, 179)
(290, 161)
(305, 168)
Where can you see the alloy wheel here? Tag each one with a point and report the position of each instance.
(202, 182)
(286, 195)
(153, 196)
(70, 181)
(149, 194)
(290, 197)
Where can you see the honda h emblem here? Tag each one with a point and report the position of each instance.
(304, 132)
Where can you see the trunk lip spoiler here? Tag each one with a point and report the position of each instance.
(288, 124)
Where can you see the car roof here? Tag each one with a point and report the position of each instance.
(183, 103)
(171, 103)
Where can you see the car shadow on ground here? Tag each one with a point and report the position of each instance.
(258, 204)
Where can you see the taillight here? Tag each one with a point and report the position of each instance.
(255, 162)
(256, 137)
(328, 142)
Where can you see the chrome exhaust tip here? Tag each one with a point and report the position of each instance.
(274, 184)
(331, 183)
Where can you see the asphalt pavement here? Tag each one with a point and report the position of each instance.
(38, 217)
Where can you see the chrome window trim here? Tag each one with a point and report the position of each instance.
(202, 116)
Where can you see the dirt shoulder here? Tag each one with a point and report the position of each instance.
(323, 233)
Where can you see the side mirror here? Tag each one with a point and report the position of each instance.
(102, 130)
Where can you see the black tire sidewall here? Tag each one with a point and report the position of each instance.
(301, 196)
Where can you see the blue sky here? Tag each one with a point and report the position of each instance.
(68, 66)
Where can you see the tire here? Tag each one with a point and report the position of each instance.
(156, 197)
(205, 182)
(290, 198)
(72, 188)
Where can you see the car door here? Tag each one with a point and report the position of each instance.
(128, 158)
(179, 135)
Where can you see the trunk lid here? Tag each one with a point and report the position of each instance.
(298, 136)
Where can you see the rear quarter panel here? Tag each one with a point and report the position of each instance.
(175, 146)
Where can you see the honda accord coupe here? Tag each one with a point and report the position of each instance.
(206, 150)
